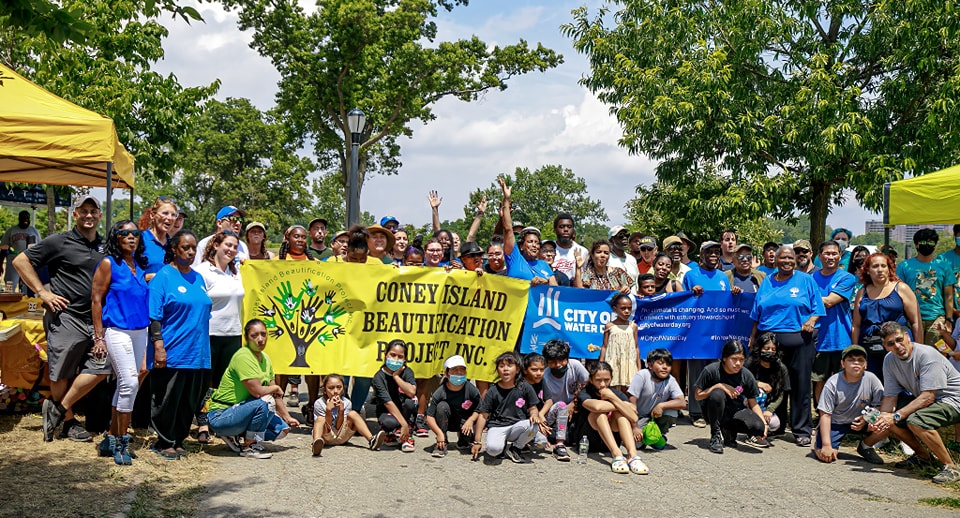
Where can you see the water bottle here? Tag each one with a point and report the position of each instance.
(562, 417)
(584, 448)
(762, 400)
(870, 414)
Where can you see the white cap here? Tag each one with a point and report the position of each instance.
(454, 361)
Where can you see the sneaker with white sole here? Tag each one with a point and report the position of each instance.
(232, 443)
(408, 446)
(74, 431)
(700, 422)
(377, 440)
(255, 451)
(52, 418)
(560, 453)
(947, 475)
(421, 429)
(439, 452)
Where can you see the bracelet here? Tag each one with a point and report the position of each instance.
(477, 443)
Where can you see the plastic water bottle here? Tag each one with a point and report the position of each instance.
(562, 417)
(762, 400)
(584, 448)
(870, 414)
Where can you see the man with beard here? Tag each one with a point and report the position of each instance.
(932, 281)
(804, 252)
(567, 249)
(922, 371)
(318, 233)
(706, 276)
(619, 258)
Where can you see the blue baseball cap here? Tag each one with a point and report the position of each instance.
(387, 219)
(228, 211)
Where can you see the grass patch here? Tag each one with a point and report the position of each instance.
(949, 503)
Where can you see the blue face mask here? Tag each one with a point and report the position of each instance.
(394, 365)
(457, 380)
(957, 240)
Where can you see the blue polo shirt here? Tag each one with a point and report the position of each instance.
(180, 302)
(710, 280)
(783, 306)
(153, 250)
(836, 325)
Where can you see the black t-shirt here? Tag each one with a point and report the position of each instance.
(543, 393)
(385, 389)
(463, 403)
(71, 261)
(766, 376)
(508, 406)
(714, 373)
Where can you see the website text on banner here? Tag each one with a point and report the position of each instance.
(693, 327)
(339, 317)
(686, 325)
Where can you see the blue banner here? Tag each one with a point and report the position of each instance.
(693, 327)
(690, 327)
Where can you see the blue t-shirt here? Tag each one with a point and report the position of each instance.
(783, 307)
(153, 250)
(180, 302)
(710, 280)
(951, 258)
(836, 325)
(927, 280)
(125, 305)
(519, 267)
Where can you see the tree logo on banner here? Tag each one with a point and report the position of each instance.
(306, 318)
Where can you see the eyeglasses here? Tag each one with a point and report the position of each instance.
(434, 251)
(124, 232)
(88, 212)
(744, 256)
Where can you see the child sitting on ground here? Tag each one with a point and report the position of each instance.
(842, 401)
(611, 418)
(335, 421)
(510, 408)
(453, 404)
(394, 391)
(563, 379)
(657, 395)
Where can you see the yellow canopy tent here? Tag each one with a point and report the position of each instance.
(933, 198)
(47, 140)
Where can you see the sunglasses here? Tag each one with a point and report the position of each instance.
(234, 219)
(801, 250)
(646, 249)
(166, 199)
(744, 256)
(128, 232)
(675, 247)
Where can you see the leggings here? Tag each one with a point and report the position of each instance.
(126, 349)
(520, 433)
(408, 409)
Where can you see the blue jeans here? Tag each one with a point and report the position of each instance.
(252, 415)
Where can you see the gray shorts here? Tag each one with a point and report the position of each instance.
(69, 342)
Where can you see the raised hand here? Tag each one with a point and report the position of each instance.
(434, 199)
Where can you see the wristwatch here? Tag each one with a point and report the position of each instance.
(897, 417)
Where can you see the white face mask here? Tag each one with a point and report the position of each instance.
(843, 244)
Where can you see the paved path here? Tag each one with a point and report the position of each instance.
(687, 480)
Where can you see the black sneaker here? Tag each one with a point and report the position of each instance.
(915, 462)
(758, 442)
(560, 453)
(52, 418)
(377, 440)
(439, 452)
(513, 453)
(75, 432)
(869, 454)
(716, 443)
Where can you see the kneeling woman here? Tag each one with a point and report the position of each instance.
(729, 394)
(610, 413)
(247, 400)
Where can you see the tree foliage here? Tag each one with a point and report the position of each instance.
(789, 102)
(110, 74)
(381, 56)
(538, 196)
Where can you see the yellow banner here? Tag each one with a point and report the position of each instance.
(339, 317)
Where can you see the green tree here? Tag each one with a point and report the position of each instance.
(110, 74)
(240, 156)
(790, 101)
(538, 196)
(381, 56)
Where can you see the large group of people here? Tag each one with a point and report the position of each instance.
(849, 333)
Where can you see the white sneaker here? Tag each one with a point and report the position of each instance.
(908, 451)
(255, 451)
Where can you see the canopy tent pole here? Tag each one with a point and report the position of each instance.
(131, 205)
(106, 228)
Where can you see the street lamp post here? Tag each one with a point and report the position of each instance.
(356, 120)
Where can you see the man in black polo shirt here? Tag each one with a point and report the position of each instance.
(71, 257)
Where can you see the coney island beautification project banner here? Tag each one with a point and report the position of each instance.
(325, 317)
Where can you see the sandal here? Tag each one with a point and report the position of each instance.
(203, 437)
(620, 465)
(637, 466)
(318, 447)
(168, 454)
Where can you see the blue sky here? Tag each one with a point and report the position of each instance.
(540, 119)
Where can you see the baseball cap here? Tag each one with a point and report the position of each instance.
(741, 246)
(708, 244)
(256, 224)
(228, 211)
(548, 242)
(648, 241)
(315, 220)
(616, 230)
(338, 234)
(388, 219)
(853, 349)
(455, 360)
(672, 240)
(86, 199)
(770, 244)
(802, 243)
(470, 248)
(516, 225)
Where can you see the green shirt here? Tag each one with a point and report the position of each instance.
(243, 366)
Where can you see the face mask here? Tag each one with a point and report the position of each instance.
(457, 380)
(768, 357)
(559, 371)
(957, 240)
(926, 249)
(843, 244)
(394, 365)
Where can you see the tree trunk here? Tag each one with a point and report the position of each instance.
(51, 211)
(819, 207)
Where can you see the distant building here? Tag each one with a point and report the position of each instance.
(903, 233)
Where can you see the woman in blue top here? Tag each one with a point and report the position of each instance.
(789, 305)
(163, 215)
(522, 261)
(119, 309)
(180, 333)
